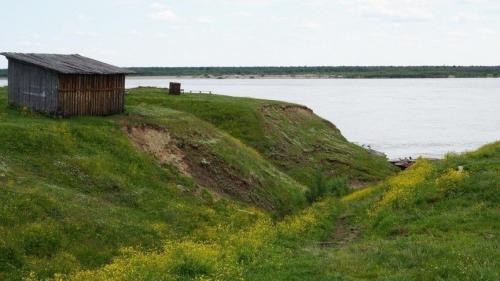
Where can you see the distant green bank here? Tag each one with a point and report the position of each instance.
(325, 71)
(320, 71)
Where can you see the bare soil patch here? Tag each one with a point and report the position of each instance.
(345, 232)
(196, 160)
(158, 142)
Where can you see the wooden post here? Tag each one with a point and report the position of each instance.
(174, 89)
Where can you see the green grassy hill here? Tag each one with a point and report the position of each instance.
(201, 188)
(75, 192)
(432, 222)
(288, 135)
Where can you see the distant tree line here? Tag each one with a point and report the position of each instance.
(328, 71)
(323, 71)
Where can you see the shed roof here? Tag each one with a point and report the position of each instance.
(68, 64)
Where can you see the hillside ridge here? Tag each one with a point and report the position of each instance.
(290, 136)
(433, 221)
(208, 187)
(75, 192)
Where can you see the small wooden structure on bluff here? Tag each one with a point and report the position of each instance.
(174, 89)
(66, 85)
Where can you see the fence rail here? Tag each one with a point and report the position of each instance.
(196, 92)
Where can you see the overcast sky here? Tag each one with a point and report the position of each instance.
(257, 32)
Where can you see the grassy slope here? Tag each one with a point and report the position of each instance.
(231, 167)
(74, 192)
(290, 136)
(431, 222)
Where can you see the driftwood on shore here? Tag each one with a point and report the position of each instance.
(403, 164)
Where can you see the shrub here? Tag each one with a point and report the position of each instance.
(339, 186)
(324, 185)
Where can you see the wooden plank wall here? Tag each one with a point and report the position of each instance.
(96, 95)
(32, 86)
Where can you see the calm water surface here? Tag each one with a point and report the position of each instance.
(401, 117)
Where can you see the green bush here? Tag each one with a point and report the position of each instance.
(324, 185)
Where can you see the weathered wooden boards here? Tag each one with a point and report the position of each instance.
(65, 85)
(95, 95)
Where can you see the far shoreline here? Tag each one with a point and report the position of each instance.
(297, 77)
(283, 77)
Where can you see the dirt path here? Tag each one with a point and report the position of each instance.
(345, 232)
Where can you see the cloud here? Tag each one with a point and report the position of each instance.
(396, 10)
(83, 17)
(487, 31)
(205, 20)
(241, 14)
(465, 17)
(160, 12)
(247, 2)
(311, 25)
(457, 34)
(30, 43)
(86, 33)
(133, 32)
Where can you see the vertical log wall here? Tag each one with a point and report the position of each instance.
(96, 95)
(32, 86)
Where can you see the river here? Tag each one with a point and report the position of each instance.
(400, 117)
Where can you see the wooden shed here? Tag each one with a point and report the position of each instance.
(66, 85)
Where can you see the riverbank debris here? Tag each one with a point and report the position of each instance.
(403, 164)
